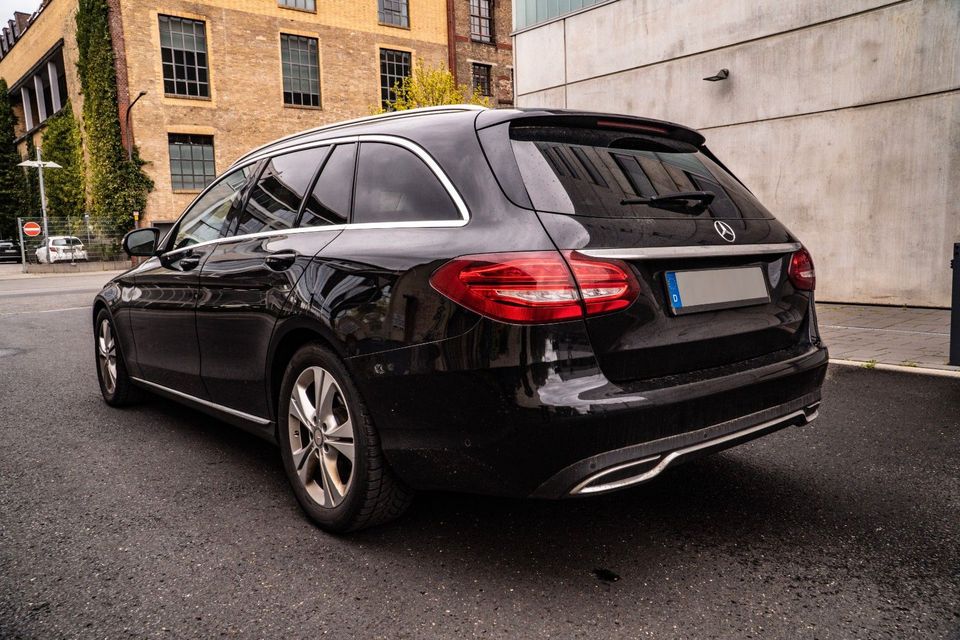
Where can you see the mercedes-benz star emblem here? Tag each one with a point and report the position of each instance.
(724, 230)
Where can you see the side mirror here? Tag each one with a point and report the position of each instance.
(142, 242)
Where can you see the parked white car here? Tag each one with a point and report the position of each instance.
(61, 249)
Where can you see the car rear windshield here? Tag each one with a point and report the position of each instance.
(590, 172)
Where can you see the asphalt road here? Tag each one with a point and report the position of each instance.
(157, 521)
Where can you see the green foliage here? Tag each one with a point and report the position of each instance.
(117, 186)
(433, 86)
(13, 184)
(65, 187)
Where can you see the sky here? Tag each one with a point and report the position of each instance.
(7, 7)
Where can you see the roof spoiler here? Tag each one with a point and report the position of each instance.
(590, 120)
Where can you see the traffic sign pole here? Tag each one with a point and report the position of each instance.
(23, 249)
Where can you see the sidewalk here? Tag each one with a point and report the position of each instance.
(900, 336)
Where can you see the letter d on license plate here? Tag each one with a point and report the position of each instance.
(711, 289)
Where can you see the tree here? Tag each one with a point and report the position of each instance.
(117, 186)
(433, 86)
(13, 183)
(62, 144)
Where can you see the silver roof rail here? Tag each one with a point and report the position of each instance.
(389, 115)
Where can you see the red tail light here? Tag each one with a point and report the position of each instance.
(801, 272)
(536, 286)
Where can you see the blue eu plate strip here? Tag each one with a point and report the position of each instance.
(674, 290)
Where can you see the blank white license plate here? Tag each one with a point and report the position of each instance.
(711, 289)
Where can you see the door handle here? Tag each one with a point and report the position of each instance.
(282, 260)
(189, 261)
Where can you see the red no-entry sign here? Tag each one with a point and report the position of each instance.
(31, 229)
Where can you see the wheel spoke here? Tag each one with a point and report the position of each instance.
(298, 411)
(302, 463)
(344, 447)
(325, 389)
(332, 487)
(343, 430)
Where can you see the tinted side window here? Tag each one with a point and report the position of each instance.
(329, 202)
(394, 185)
(206, 219)
(275, 200)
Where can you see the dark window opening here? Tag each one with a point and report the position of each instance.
(183, 50)
(394, 12)
(303, 5)
(192, 165)
(395, 67)
(301, 70)
(481, 78)
(481, 20)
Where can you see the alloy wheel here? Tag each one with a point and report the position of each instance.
(107, 356)
(321, 438)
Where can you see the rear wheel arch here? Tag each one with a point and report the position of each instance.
(285, 347)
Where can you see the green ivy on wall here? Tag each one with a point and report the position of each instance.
(62, 143)
(14, 194)
(117, 186)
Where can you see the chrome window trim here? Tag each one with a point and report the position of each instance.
(206, 403)
(416, 149)
(696, 251)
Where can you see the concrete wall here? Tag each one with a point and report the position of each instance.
(844, 118)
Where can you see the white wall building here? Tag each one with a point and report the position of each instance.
(843, 117)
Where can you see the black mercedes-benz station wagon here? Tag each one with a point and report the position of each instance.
(538, 303)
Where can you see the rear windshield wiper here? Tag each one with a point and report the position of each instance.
(680, 201)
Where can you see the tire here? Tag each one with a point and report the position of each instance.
(116, 386)
(337, 493)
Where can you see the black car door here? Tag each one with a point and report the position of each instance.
(246, 282)
(162, 307)
(373, 280)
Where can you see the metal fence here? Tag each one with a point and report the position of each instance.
(69, 245)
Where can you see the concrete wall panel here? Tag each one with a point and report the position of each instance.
(640, 32)
(872, 191)
(540, 53)
(903, 50)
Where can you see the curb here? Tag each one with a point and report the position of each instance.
(46, 276)
(943, 373)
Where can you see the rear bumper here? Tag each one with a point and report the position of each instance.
(633, 465)
(474, 414)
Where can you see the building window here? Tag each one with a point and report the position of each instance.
(303, 5)
(481, 20)
(394, 12)
(301, 70)
(481, 78)
(191, 161)
(183, 47)
(394, 67)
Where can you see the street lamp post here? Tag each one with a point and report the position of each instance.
(40, 165)
(127, 118)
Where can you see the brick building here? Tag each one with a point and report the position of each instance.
(482, 54)
(223, 76)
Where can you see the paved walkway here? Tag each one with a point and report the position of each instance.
(902, 336)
